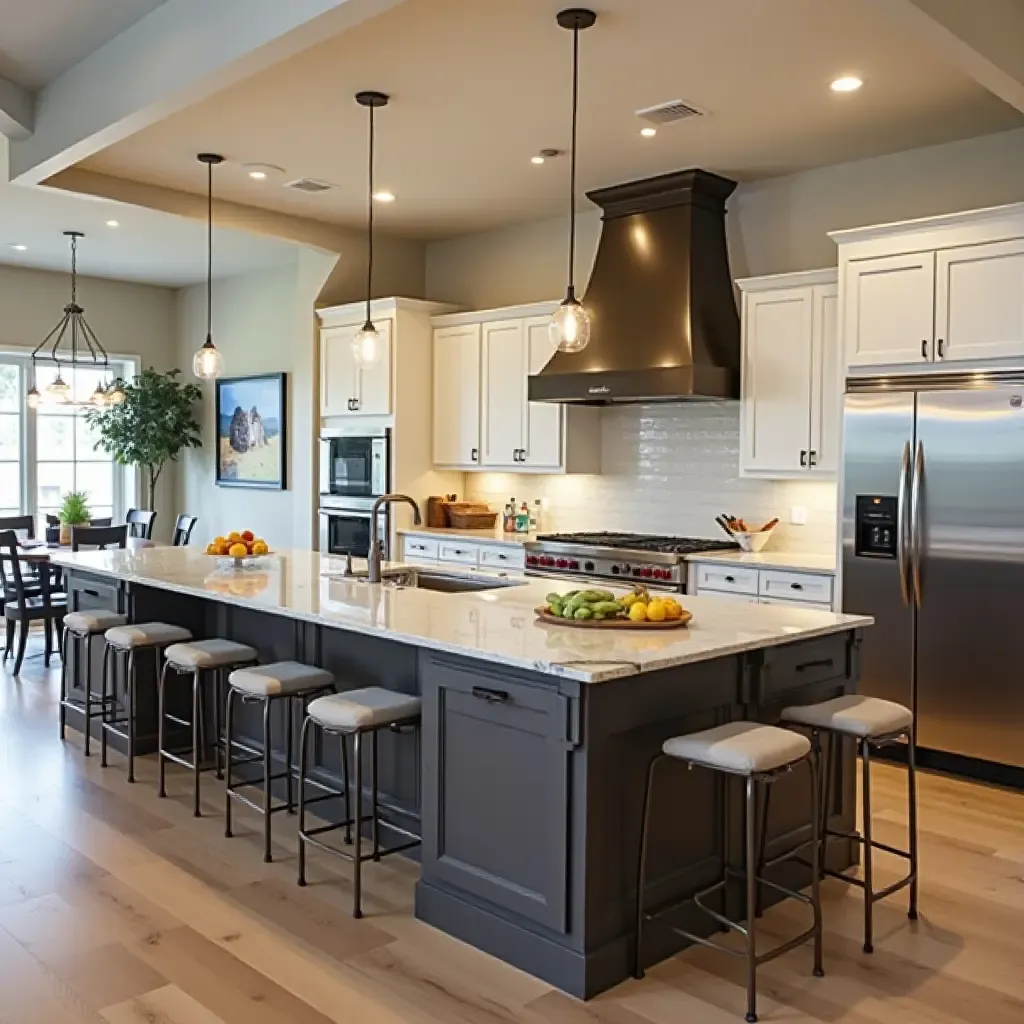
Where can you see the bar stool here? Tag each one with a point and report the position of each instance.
(760, 754)
(872, 723)
(355, 713)
(197, 659)
(125, 642)
(79, 626)
(264, 684)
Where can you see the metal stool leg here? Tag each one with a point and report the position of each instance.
(218, 678)
(912, 819)
(88, 692)
(228, 737)
(161, 731)
(865, 753)
(815, 764)
(751, 866)
(827, 783)
(267, 857)
(348, 791)
(374, 824)
(289, 752)
(131, 691)
(105, 690)
(196, 740)
(638, 964)
(358, 862)
(63, 713)
(762, 844)
(303, 738)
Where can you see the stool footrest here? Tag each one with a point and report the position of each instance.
(308, 837)
(176, 758)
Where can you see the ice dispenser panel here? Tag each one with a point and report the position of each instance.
(876, 535)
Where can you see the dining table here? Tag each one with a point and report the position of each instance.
(39, 551)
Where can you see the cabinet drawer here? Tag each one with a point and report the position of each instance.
(420, 548)
(796, 586)
(728, 578)
(795, 604)
(458, 551)
(796, 665)
(506, 557)
(92, 593)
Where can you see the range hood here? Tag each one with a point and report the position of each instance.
(664, 326)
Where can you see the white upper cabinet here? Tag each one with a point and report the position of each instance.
(347, 389)
(457, 395)
(504, 385)
(890, 309)
(790, 404)
(979, 301)
(938, 290)
(483, 418)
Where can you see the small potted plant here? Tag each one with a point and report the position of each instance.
(74, 511)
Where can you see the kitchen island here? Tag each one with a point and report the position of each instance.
(527, 776)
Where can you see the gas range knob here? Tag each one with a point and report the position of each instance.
(615, 570)
(573, 564)
(548, 560)
(588, 566)
(647, 572)
(562, 563)
(532, 560)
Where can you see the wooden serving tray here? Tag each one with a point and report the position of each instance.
(555, 620)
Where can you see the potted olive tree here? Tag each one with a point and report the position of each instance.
(74, 511)
(151, 427)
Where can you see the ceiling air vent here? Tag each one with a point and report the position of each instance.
(311, 185)
(669, 113)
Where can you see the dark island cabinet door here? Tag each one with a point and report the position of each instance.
(496, 790)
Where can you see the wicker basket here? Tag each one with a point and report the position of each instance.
(471, 520)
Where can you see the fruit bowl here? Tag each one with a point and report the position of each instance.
(240, 561)
(238, 550)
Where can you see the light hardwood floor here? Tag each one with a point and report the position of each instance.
(121, 908)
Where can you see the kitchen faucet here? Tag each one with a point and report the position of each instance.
(373, 559)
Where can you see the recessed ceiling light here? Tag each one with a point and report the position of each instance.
(648, 133)
(113, 224)
(847, 83)
(260, 172)
(18, 247)
(384, 196)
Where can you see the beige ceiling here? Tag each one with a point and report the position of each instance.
(479, 86)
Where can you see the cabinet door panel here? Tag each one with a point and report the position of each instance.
(338, 384)
(543, 433)
(777, 379)
(373, 394)
(889, 309)
(979, 301)
(457, 395)
(504, 406)
(826, 383)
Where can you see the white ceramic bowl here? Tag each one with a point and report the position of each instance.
(753, 541)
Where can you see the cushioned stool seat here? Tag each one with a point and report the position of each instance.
(99, 621)
(146, 634)
(279, 679)
(853, 715)
(744, 747)
(209, 654)
(363, 709)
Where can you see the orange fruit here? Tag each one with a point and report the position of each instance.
(234, 536)
(260, 548)
(238, 550)
(217, 541)
(211, 549)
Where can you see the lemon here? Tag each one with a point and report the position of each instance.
(656, 611)
(629, 600)
(638, 611)
(238, 550)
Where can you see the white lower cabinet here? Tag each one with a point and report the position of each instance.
(762, 586)
(455, 552)
(790, 401)
(483, 418)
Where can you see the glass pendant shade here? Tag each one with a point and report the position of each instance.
(208, 363)
(115, 395)
(569, 329)
(57, 392)
(98, 399)
(32, 397)
(366, 346)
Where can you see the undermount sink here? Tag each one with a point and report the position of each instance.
(446, 583)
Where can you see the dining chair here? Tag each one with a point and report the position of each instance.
(52, 521)
(25, 525)
(140, 523)
(25, 603)
(99, 537)
(183, 528)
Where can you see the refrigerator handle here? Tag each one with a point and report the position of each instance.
(902, 525)
(915, 521)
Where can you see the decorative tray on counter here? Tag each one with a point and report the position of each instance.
(593, 608)
(544, 615)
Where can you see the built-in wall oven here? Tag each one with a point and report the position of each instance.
(355, 470)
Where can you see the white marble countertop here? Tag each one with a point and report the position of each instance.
(494, 625)
(494, 535)
(795, 560)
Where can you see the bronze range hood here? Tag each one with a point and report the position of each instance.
(664, 326)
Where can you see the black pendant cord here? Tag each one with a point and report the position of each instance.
(572, 161)
(209, 253)
(369, 224)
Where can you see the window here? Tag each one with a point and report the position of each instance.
(46, 452)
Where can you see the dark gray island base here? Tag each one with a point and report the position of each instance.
(528, 786)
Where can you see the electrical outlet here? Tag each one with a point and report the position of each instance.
(798, 515)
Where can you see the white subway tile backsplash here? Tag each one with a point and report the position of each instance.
(670, 469)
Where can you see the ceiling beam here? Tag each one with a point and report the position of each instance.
(16, 109)
(986, 40)
(177, 55)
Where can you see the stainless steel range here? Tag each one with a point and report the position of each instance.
(657, 562)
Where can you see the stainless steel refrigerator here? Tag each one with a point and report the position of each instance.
(933, 548)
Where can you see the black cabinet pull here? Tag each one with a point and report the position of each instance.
(812, 459)
(924, 348)
(91, 593)
(475, 455)
(730, 579)
(803, 458)
(940, 343)
(796, 586)
(823, 663)
(491, 696)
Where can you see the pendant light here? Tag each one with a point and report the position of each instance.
(569, 329)
(84, 349)
(208, 363)
(367, 347)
